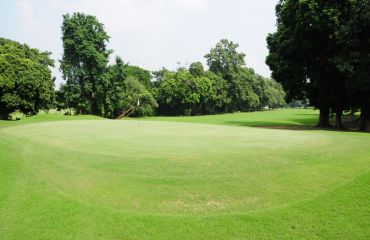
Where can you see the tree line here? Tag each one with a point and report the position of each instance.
(321, 51)
(93, 86)
(227, 86)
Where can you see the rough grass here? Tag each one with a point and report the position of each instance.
(94, 179)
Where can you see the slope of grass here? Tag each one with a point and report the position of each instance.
(281, 117)
(46, 118)
(93, 179)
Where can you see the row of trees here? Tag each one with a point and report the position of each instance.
(321, 51)
(94, 87)
(195, 91)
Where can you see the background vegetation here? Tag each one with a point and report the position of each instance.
(94, 87)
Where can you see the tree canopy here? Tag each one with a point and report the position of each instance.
(25, 79)
(84, 61)
(94, 86)
(317, 53)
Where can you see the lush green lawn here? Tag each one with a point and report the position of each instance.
(283, 117)
(139, 179)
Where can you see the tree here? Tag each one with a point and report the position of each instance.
(303, 50)
(137, 100)
(115, 77)
(226, 87)
(354, 57)
(175, 94)
(227, 62)
(241, 90)
(61, 101)
(142, 75)
(196, 69)
(218, 95)
(271, 94)
(224, 58)
(84, 61)
(181, 93)
(25, 79)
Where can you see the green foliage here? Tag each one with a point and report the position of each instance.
(137, 99)
(128, 85)
(271, 93)
(240, 90)
(94, 87)
(181, 93)
(224, 58)
(114, 89)
(321, 52)
(227, 87)
(354, 57)
(243, 92)
(25, 79)
(196, 69)
(142, 75)
(299, 103)
(84, 62)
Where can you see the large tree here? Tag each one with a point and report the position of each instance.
(354, 57)
(303, 53)
(84, 61)
(25, 79)
(228, 63)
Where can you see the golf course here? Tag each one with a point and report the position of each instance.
(261, 175)
(185, 119)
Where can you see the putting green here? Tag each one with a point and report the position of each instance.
(65, 174)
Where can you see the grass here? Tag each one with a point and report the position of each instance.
(182, 178)
(281, 117)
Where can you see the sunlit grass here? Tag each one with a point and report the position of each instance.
(184, 179)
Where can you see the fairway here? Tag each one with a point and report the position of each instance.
(211, 177)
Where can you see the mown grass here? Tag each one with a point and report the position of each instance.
(93, 179)
(279, 117)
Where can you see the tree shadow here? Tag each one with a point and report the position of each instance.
(267, 124)
(297, 124)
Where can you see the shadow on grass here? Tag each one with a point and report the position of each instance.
(271, 125)
(299, 124)
(301, 121)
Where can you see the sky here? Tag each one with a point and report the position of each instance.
(149, 33)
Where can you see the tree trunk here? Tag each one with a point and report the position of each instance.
(365, 118)
(324, 118)
(4, 115)
(94, 106)
(338, 119)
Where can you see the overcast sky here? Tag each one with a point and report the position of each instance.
(149, 33)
